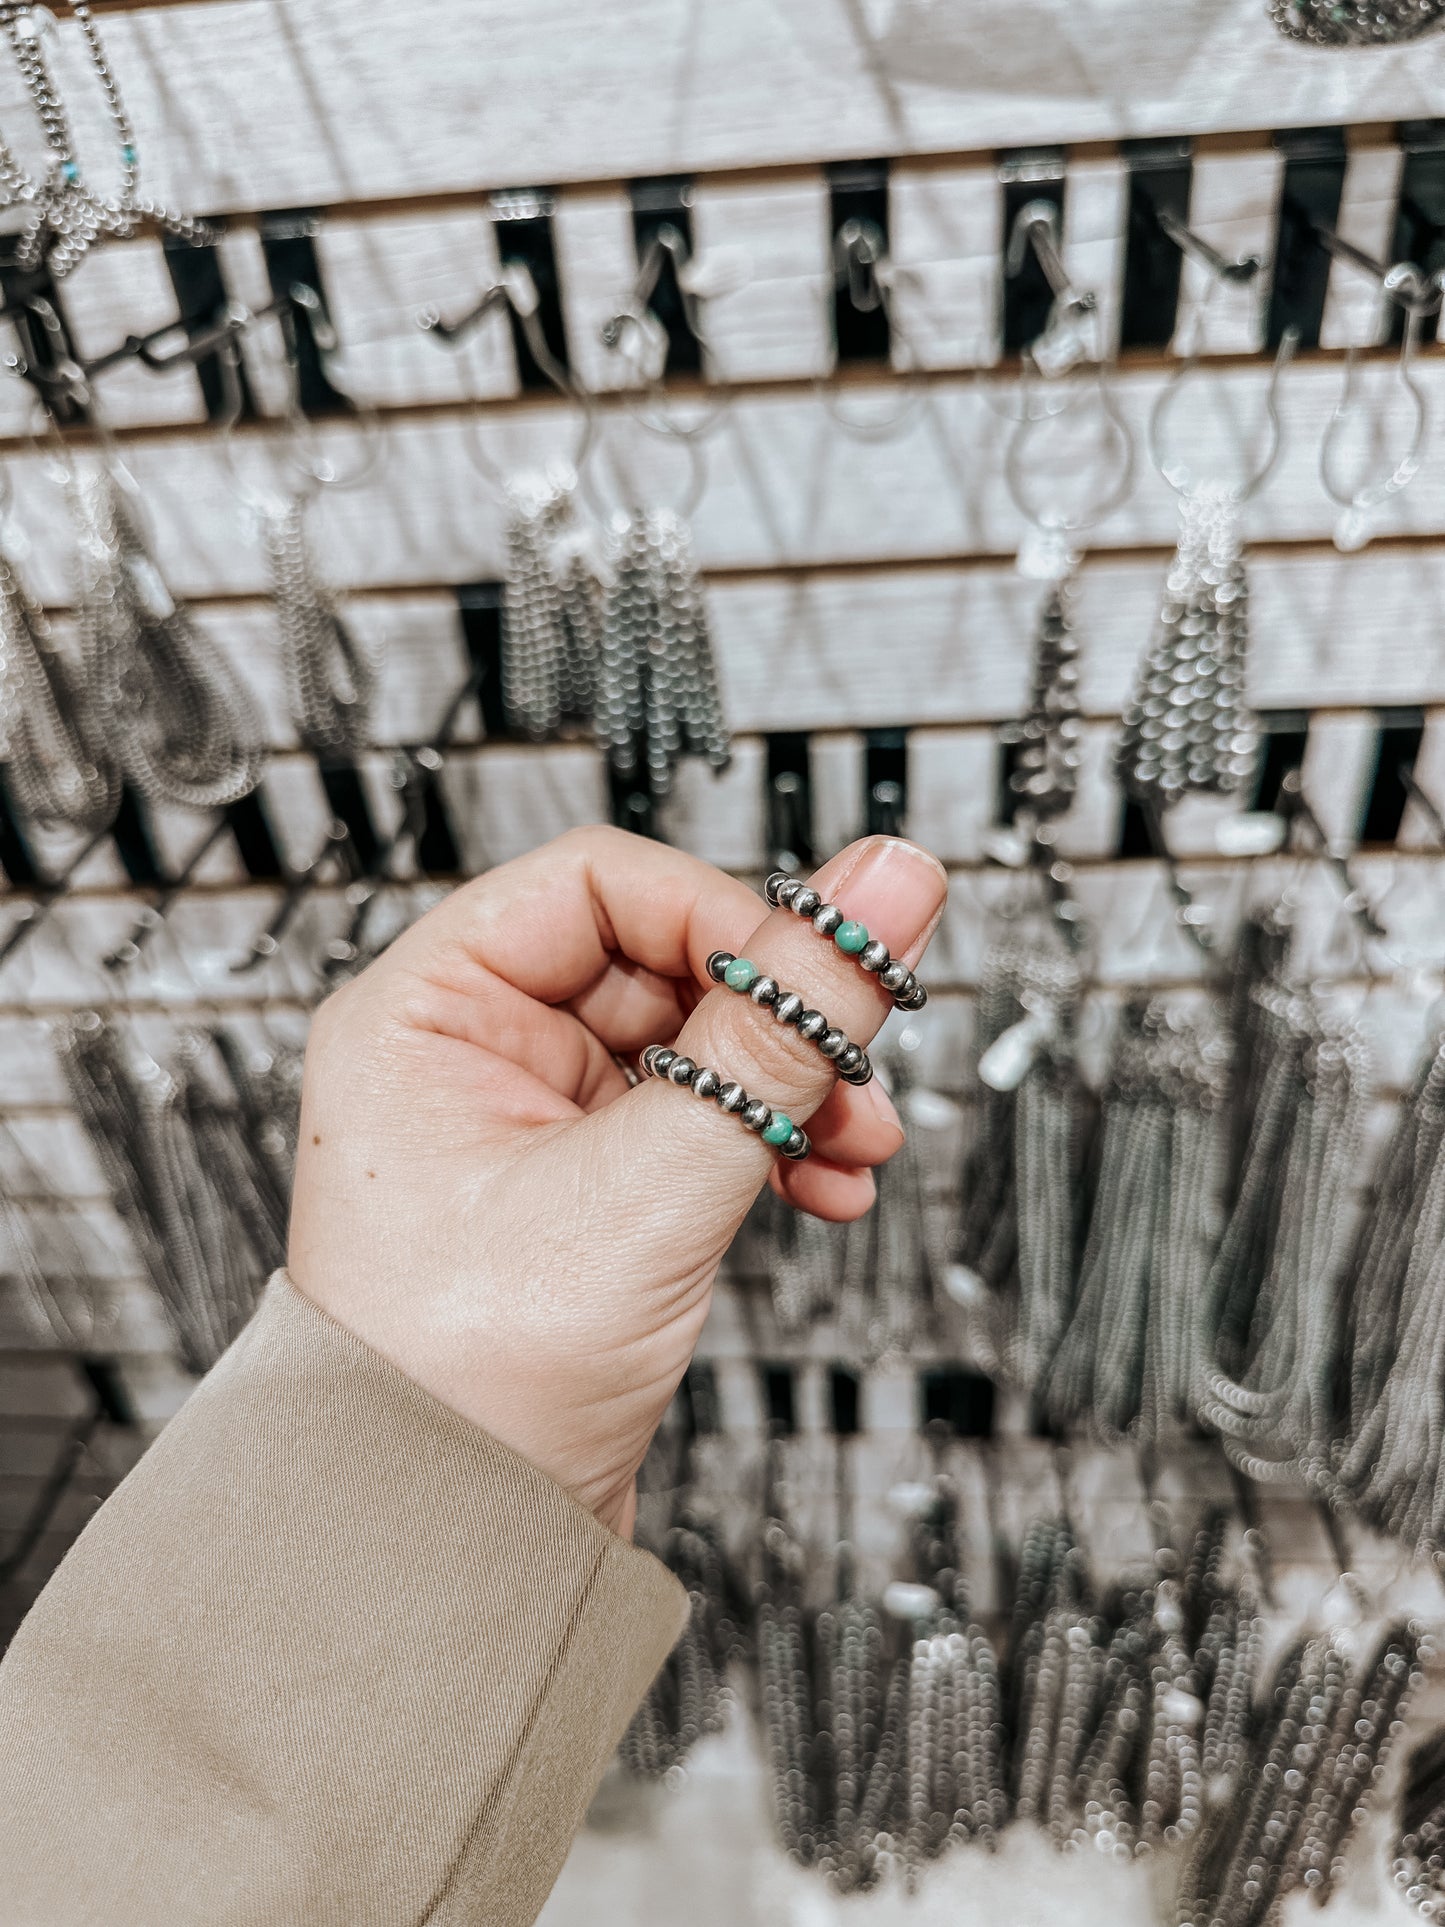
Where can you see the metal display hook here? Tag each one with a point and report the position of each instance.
(1417, 295)
(635, 332)
(862, 268)
(514, 293)
(1060, 345)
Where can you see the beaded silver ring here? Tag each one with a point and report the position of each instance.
(851, 937)
(741, 974)
(773, 1127)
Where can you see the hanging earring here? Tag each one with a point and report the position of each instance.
(1189, 726)
(1357, 23)
(552, 593)
(59, 765)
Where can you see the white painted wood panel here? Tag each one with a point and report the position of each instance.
(771, 240)
(1354, 310)
(784, 482)
(126, 290)
(1234, 206)
(946, 231)
(241, 104)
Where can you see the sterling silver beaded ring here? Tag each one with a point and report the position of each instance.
(773, 1127)
(851, 937)
(742, 975)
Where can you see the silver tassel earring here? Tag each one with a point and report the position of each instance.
(330, 679)
(551, 610)
(60, 768)
(185, 729)
(657, 697)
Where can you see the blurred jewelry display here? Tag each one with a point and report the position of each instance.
(1127, 1362)
(330, 679)
(1045, 774)
(204, 1208)
(1274, 1301)
(1356, 23)
(656, 688)
(552, 608)
(184, 727)
(1418, 1865)
(690, 1697)
(60, 768)
(1017, 1229)
(67, 216)
(1389, 1457)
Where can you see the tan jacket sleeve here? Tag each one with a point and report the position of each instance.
(330, 1656)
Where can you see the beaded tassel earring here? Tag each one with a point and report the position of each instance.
(59, 766)
(330, 680)
(1188, 726)
(1045, 775)
(690, 1697)
(185, 729)
(551, 610)
(1357, 23)
(657, 696)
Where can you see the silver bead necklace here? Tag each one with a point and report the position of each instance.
(1357, 23)
(551, 610)
(330, 678)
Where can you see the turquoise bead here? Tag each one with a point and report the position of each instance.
(127, 154)
(740, 974)
(779, 1131)
(70, 171)
(851, 937)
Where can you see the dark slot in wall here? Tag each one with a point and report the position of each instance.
(858, 191)
(1314, 177)
(346, 794)
(960, 1401)
(790, 802)
(1135, 837)
(1420, 217)
(1033, 174)
(288, 241)
(523, 222)
(632, 803)
(255, 839)
(42, 348)
(135, 840)
(1397, 748)
(480, 607)
(1008, 799)
(843, 1401)
(17, 859)
(659, 204)
(885, 781)
(1160, 178)
(777, 1387)
(1285, 738)
(202, 299)
(437, 853)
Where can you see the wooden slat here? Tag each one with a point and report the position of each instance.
(784, 482)
(472, 95)
(775, 325)
(1234, 206)
(947, 247)
(120, 291)
(1354, 308)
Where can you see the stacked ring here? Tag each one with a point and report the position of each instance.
(738, 973)
(852, 938)
(774, 1127)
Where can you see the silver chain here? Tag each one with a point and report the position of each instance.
(330, 678)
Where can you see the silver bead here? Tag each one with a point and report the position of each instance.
(827, 920)
(731, 1097)
(764, 991)
(786, 891)
(848, 1060)
(755, 1115)
(706, 1083)
(812, 1025)
(717, 964)
(894, 975)
(772, 889)
(662, 1061)
(805, 902)
(797, 1145)
(874, 955)
(861, 1073)
(649, 1058)
(681, 1070)
(833, 1043)
(789, 1007)
(914, 999)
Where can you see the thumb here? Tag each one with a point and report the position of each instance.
(687, 1169)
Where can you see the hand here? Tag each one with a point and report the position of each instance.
(480, 1196)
